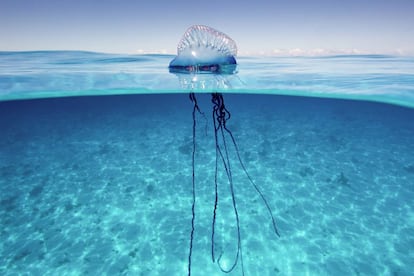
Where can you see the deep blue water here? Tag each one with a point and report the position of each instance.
(102, 186)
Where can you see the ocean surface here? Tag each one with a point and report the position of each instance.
(96, 165)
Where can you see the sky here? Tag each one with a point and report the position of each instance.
(259, 27)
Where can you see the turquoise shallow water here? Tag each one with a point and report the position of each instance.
(102, 185)
(65, 73)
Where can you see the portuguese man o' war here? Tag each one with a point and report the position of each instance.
(206, 50)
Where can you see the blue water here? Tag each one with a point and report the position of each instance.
(381, 78)
(101, 185)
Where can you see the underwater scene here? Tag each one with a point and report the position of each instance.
(112, 165)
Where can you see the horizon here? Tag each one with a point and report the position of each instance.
(282, 53)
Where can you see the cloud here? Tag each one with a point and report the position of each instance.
(160, 51)
(321, 52)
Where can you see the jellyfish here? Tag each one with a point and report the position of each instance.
(204, 50)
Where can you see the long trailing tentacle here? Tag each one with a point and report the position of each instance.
(213, 224)
(220, 115)
(195, 109)
(233, 197)
(219, 155)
